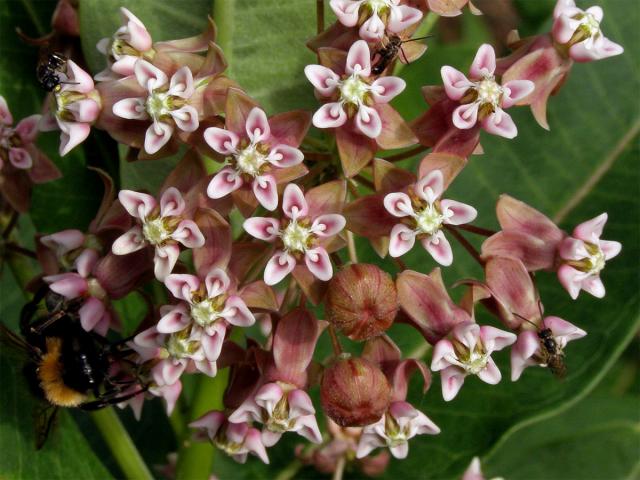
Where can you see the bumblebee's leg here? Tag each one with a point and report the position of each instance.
(404, 57)
(30, 308)
(112, 400)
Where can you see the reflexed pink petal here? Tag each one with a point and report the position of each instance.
(372, 30)
(186, 118)
(398, 204)
(328, 225)
(402, 17)
(466, 116)
(72, 134)
(171, 203)
(138, 205)
(63, 241)
(266, 191)
(525, 347)
(322, 78)
(490, 374)
(27, 128)
(237, 313)
(79, 80)
(495, 339)
(264, 228)
(253, 442)
(91, 313)
(300, 404)
(442, 350)
(171, 371)
(439, 248)
(84, 111)
(318, 263)
(484, 63)
(593, 285)
(137, 37)
(257, 126)
(572, 249)
(212, 344)
(181, 84)
(563, 28)
(278, 267)
(284, 156)
(211, 422)
(369, 440)
(516, 90)
(346, 11)
(452, 379)
(20, 158)
(591, 230)
(69, 285)
(610, 248)
(401, 240)
(149, 76)
(359, 59)
(5, 114)
(181, 285)
(217, 282)
(455, 82)
(571, 279)
(368, 121)
(384, 89)
(188, 234)
(173, 321)
(208, 367)
(400, 451)
(124, 67)
(563, 330)
(500, 123)
(129, 242)
(164, 260)
(294, 204)
(457, 213)
(307, 426)
(329, 115)
(224, 182)
(431, 186)
(157, 136)
(86, 261)
(222, 141)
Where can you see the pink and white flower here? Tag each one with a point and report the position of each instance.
(482, 98)
(468, 351)
(398, 425)
(298, 237)
(584, 255)
(353, 94)
(251, 159)
(160, 226)
(76, 106)
(235, 439)
(17, 143)
(208, 309)
(425, 214)
(129, 43)
(580, 31)
(164, 101)
(281, 408)
(528, 349)
(375, 16)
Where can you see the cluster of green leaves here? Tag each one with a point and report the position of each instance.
(586, 164)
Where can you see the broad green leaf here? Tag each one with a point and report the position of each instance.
(571, 446)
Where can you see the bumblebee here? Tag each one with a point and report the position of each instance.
(48, 71)
(66, 366)
(388, 53)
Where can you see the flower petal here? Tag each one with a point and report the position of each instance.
(457, 213)
(439, 248)
(398, 204)
(465, 116)
(328, 225)
(322, 78)
(278, 267)
(384, 89)
(264, 228)
(368, 121)
(359, 59)
(181, 84)
(329, 115)
(69, 285)
(171, 203)
(139, 205)
(452, 379)
(372, 29)
(401, 240)
(224, 182)
(455, 82)
(284, 156)
(72, 134)
(294, 204)
(181, 285)
(91, 312)
(402, 17)
(237, 313)
(257, 126)
(217, 282)
(318, 262)
(129, 242)
(20, 158)
(591, 230)
(484, 63)
(188, 234)
(222, 141)
(173, 321)
(431, 186)
(186, 118)
(266, 191)
(346, 11)
(157, 136)
(164, 260)
(5, 114)
(149, 76)
(500, 123)
(27, 128)
(516, 90)
(525, 347)
(491, 373)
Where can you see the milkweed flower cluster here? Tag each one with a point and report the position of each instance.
(262, 232)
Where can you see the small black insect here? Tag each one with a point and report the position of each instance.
(66, 366)
(387, 54)
(50, 66)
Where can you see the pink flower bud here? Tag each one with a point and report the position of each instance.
(354, 392)
(362, 301)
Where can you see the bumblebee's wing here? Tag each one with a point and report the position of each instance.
(14, 344)
(44, 417)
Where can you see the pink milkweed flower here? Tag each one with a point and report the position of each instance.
(425, 215)
(580, 31)
(353, 94)
(482, 98)
(584, 255)
(252, 155)
(375, 16)
(207, 308)
(165, 103)
(235, 439)
(468, 351)
(160, 226)
(129, 43)
(281, 408)
(398, 425)
(298, 236)
(528, 350)
(76, 106)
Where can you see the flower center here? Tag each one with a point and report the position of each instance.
(296, 237)
(589, 23)
(596, 260)
(228, 447)
(476, 362)
(95, 289)
(251, 160)
(205, 313)
(156, 231)
(179, 345)
(429, 220)
(279, 420)
(489, 92)
(353, 90)
(158, 104)
(377, 5)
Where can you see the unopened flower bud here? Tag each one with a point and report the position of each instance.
(362, 301)
(354, 392)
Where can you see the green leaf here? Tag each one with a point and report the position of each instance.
(572, 446)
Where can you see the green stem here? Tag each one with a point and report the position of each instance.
(120, 444)
(422, 31)
(223, 16)
(195, 459)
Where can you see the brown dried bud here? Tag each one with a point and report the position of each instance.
(362, 301)
(354, 392)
